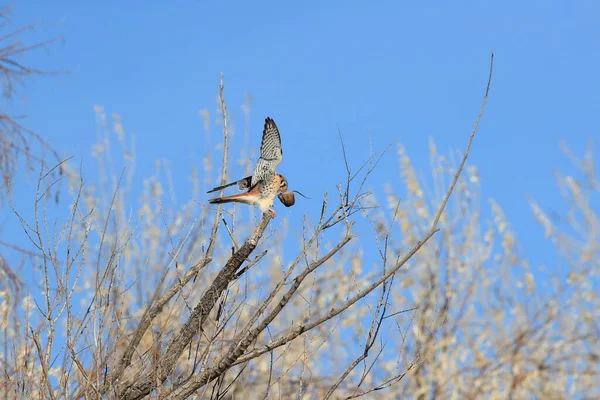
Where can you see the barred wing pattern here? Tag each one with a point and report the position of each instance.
(270, 153)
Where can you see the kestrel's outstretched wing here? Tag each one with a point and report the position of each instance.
(270, 153)
(242, 184)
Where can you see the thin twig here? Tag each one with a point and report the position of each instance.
(43, 363)
(466, 154)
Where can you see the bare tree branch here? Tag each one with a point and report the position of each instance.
(199, 315)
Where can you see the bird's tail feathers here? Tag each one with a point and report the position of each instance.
(240, 198)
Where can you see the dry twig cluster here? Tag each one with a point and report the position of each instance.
(441, 311)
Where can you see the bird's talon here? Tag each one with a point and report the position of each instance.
(272, 212)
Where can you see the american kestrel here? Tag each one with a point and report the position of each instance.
(264, 184)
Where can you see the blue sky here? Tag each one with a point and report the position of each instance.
(382, 71)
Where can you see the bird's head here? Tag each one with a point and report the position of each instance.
(283, 186)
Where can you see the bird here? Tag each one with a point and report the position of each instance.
(264, 184)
